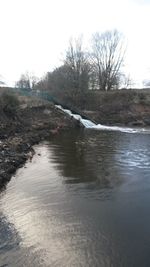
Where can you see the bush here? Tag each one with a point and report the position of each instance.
(9, 103)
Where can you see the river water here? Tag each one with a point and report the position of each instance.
(84, 200)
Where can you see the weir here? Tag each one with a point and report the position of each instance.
(91, 125)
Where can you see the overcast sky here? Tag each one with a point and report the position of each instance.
(35, 33)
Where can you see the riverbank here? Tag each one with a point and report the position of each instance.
(117, 107)
(122, 107)
(33, 122)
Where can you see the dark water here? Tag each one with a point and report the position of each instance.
(83, 201)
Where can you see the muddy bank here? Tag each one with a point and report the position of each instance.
(29, 126)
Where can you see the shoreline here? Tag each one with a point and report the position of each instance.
(18, 137)
(13, 156)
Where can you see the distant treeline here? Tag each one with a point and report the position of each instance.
(98, 68)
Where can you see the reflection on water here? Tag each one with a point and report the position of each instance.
(83, 201)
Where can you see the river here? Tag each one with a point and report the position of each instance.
(84, 200)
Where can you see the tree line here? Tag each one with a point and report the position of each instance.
(98, 68)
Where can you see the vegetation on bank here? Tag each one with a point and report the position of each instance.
(123, 107)
(9, 104)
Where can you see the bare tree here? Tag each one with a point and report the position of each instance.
(24, 82)
(33, 80)
(126, 81)
(77, 64)
(27, 81)
(107, 58)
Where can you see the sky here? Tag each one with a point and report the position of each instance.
(34, 34)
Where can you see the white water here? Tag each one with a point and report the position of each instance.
(91, 125)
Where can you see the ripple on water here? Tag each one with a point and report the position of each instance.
(81, 203)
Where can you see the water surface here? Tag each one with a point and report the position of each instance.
(84, 200)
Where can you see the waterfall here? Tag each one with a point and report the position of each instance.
(91, 125)
(88, 123)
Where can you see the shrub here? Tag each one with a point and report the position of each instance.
(9, 103)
